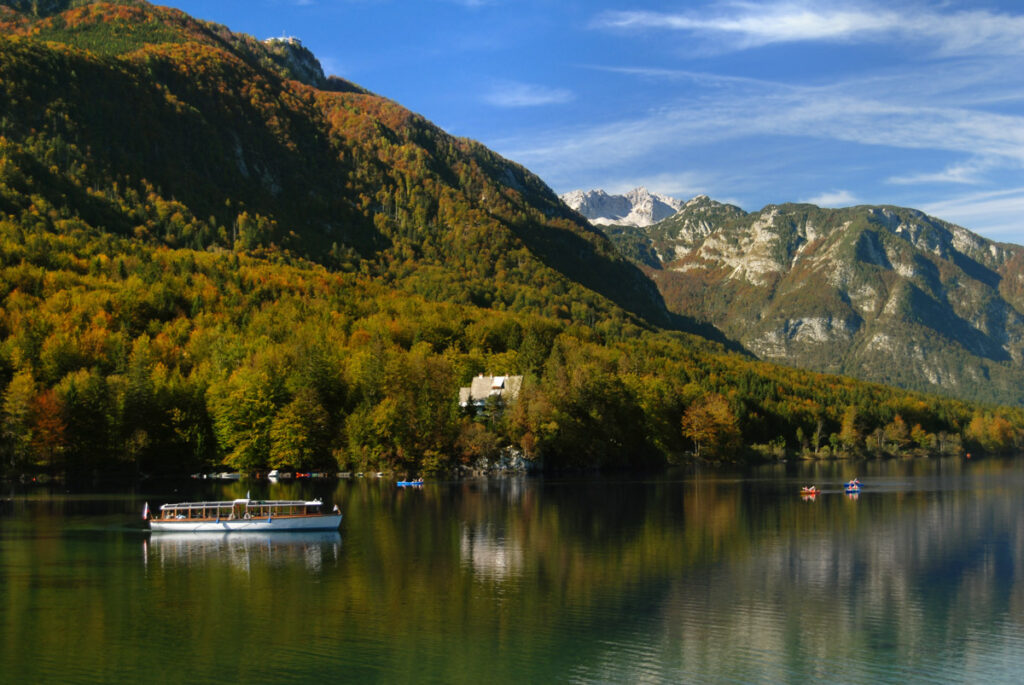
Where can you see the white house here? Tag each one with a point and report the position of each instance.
(483, 387)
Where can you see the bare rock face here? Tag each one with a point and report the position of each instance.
(885, 294)
(297, 60)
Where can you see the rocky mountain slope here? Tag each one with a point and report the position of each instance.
(638, 207)
(880, 293)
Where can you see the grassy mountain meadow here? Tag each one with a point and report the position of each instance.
(886, 294)
(212, 254)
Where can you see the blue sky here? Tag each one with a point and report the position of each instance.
(918, 104)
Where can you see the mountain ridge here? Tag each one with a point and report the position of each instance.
(638, 207)
(320, 171)
(882, 293)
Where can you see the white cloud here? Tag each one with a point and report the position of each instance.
(698, 77)
(835, 198)
(912, 122)
(749, 24)
(679, 184)
(789, 129)
(803, 113)
(756, 25)
(1000, 213)
(971, 172)
(875, 122)
(513, 94)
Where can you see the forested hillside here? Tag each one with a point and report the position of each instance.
(212, 254)
(160, 106)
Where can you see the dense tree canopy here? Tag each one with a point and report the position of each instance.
(241, 269)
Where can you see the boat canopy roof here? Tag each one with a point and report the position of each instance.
(246, 502)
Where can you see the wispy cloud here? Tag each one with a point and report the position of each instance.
(514, 94)
(834, 198)
(940, 104)
(999, 211)
(781, 123)
(971, 172)
(698, 77)
(680, 184)
(750, 24)
(814, 113)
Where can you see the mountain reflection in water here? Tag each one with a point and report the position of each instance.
(708, 577)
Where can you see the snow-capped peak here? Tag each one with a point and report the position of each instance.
(638, 207)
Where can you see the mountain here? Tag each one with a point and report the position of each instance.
(885, 294)
(257, 146)
(638, 207)
(213, 254)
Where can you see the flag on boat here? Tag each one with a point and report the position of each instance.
(145, 512)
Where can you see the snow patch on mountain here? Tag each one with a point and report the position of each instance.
(639, 207)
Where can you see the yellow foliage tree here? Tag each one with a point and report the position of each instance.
(710, 422)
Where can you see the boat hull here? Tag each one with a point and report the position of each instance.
(261, 525)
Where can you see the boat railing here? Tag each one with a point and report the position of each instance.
(239, 509)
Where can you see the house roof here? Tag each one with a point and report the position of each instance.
(482, 387)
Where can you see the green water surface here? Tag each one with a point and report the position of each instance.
(706, 577)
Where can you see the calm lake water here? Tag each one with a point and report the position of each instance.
(703, 577)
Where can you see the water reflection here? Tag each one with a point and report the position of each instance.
(242, 550)
(920, 581)
(489, 554)
(704, 578)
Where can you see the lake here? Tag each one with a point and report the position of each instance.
(688, 577)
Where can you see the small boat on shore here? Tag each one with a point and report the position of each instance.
(242, 515)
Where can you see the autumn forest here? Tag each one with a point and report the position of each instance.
(211, 258)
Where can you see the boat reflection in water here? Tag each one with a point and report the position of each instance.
(243, 552)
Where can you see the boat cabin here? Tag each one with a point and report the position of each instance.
(239, 509)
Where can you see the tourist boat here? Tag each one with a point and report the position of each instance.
(812, 490)
(242, 515)
(852, 486)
